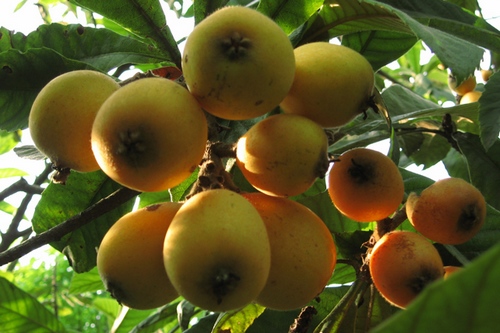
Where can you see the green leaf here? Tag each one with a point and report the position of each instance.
(351, 16)
(452, 19)
(107, 306)
(12, 172)
(469, 297)
(100, 48)
(60, 202)
(489, 112)
(239, 321)
(203, 8)
(486, 238)
(158, 320)
(21, 312)
(86, 282)
(22, 76)
(129, 318)
(144, 18)
(380, 47)
(484, 167)
(9, 140)
(176, 194)
(462, 56)
(289, 15)
(431, 151)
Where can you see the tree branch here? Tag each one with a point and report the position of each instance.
(55, 234)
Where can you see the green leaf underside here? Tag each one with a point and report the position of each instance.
(60, 202)
(21, 312)
(143, 17)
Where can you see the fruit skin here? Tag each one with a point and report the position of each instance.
(303, 253)
(332, 84)
(471, 97)
(62, 114)
(450, 211)
(150, 135)
(238, 63)
(130, 259)
(365, 185)
(467, 85)
(486, 74)
(402, 264)
(283, 154)
(217, 252)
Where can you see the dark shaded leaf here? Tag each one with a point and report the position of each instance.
(489, 112)
(158, 319)
(60, 202)
(100, 48)
(22, 76)
(452, 19)
(378, 46)
(484, 167)
(144, 18)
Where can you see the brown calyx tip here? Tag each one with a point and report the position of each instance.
(469, 218)
(236, 46)
(60, 176)
(131, 146)
(115, 291)
(360, 172)
(425, 277)
(224, 282)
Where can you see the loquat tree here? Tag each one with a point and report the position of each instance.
(209, 168)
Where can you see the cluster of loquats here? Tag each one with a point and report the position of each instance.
(402, 263)
(221, 249)
(467, 91)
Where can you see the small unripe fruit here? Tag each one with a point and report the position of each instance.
(283, 155)
(150, 135)
(450, 211)
(238, 63)
(402, 264)
(130, 260)
(471, 97)
(365, 185)
(62, 115)
(217, 252)
(464, 87)
(332, 84)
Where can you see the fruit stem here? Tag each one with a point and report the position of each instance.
(333, 321)
(389, 223)
(213, 174)
(302, 322)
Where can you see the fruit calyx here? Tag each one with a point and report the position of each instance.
(235, 46)
(131, 146)
(224, 282)
(469, 218)
(61, 174)
(418, 283)
(360, 173)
